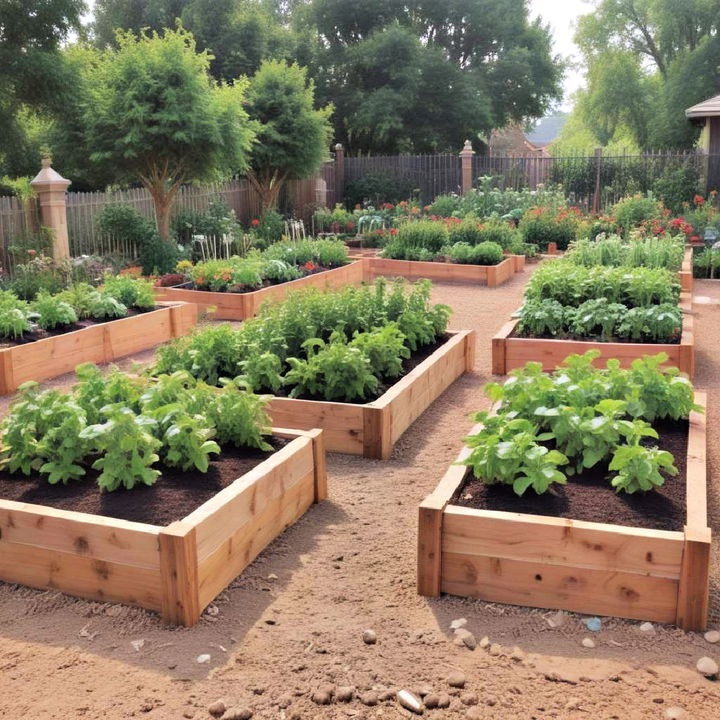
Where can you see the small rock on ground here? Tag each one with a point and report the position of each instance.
(675, 713)
(369, 698)
(712, 636)
(410, 701)
(217, 708)
(457, 680)
(457, 624)
(238, 713)
(469, 698)
(588, 643)
(707, 666)
(369, 637)
(345, 693)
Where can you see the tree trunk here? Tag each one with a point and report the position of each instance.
(162, 212)
(267, 188)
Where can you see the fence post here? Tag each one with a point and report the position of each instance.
(50, 187)
(466, 156)
(596, 195)
(339, 173)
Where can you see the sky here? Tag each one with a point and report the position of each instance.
(561, 15)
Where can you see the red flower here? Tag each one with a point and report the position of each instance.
(699, 200)
(32, 253)
(349, 225)
(694, 238)
(254, 222)
(393, 231)
(310, 265)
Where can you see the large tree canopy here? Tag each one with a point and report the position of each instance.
(30, 35)
(155, 116)
(647, 61)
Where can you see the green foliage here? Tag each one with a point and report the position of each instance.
(270, 227)
(378, 188)
(587, 416)
(656, 323)
(186, 439)
(706, 263)
(191, 130)
(315, 343)
(484, 253)
(541, 225)
(676, 186)
(467, 231)
(95, 391)
(292, 136)
(423, 234)
(655, 252)
(131, 292)
(14, 315)
(540, 318)
(42, 273)
(52, 312)
(631, 212)
(596, 317)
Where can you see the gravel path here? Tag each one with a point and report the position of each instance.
(294, 620)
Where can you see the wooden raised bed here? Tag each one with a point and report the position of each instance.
(240, 306)
(560, 563)
(102, 343)
(509, 352)
(686, 273)
(175, 570)
(371, 429)
(490, 275)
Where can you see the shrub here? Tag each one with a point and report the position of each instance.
(498, 231)
(40, 274)
(268, 228)
(540, 226)
(706, 264)
(486, 253)
(131, 292)
(445, 205)
(632, 211)
(422, 234)
(378, 188)
(468, 231)
(677, 186)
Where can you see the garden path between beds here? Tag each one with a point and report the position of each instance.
(295, 618)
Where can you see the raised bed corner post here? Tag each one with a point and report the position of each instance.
(179, 574)
(318, 444)
(429, 557)
(466, 156)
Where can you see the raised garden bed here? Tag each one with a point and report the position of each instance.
(564, 563)
(175, 569)
(490, 275)
(371, 429)
(686, 272)
(509, 351)
(240, 306)
(101, 343)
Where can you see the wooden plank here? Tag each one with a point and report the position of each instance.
(244, 541)
(86, 577)
(238, 503)
(696, 477)
(91, 536)
(321, 486)
(429, 554)
(559, 541)
(537, 584)
(693, 597)
(499, 349)
(179, 574)
(376, 432)
(441, 271)
(240, 306)
(341, 422)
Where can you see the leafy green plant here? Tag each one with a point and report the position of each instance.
(14, 315)
(639, 468)
(126, 446)
(485, 253)
(131, 292)
(186, 439)
(540, 318)
(658, 323)
(52, 312)
(240, 418)
(385, 349)
(596, 317)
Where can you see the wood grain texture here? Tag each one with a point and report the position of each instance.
(179, 574)
(490, 275)
(60, 354)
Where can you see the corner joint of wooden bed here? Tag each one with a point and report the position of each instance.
(318, 445)
(179, 574)
(693, 589)
(429, 552)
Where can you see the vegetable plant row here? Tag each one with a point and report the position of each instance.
(125, 426)
(549, 427)
(341, 346)
(279, 263)
(654, 252)
(18, 318)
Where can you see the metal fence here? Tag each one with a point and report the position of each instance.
(424, 175)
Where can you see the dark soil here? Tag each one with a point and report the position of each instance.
(242, 289)
(590, 496)
(175, 494)
(39, 334)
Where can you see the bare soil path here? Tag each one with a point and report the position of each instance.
(294, 620)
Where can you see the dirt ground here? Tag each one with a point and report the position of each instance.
(294, 620)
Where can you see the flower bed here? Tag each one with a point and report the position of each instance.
(102, 343)
(178, 569)
(240, 306)
(557, 561)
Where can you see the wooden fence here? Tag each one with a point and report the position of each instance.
(16, 222)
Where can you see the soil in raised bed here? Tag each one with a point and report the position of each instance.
(590, 497)
(242, 289)
(40, 334)
(174, 496)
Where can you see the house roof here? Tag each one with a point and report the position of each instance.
(707, 108)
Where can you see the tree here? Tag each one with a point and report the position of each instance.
(135, 15)
(484, 62)
(156, 116)
(292, 136)
(30, 35)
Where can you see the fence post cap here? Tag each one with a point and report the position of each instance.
(48, 178)
(338, 146)
(467, 149)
